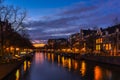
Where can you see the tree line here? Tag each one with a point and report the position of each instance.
(12, 30)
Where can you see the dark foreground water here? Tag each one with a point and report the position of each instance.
(46, 66)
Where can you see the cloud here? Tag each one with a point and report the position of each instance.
(71, 19)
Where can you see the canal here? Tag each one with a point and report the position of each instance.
(47, 66)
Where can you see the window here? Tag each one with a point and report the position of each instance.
(107, 46)
(99, 40)
(110, 47)
(97, 47)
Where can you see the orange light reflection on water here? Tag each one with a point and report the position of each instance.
(39, 58)
(58, 59)
(69, 63)
(17, 74)
(25, 66)
(63, 62)
(48, 56)
(29, 63)
(52, 58)
(75, 64)
(83, 68)
(97, 73)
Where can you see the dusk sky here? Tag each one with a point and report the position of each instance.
(61, 18)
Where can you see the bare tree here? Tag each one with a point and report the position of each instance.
(14, 15)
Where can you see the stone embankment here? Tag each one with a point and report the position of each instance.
(114, 60)
(7, 68)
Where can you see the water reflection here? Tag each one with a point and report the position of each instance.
(48, 57)
(97, 73)
(58, 60)
(52, 58)
(63, 62)
(69, 63)
(75, 65)
(49, 66)
(18, 74)
(100, 73)
(83, 68)
(87, 70)
(25, 66)
(39, 58)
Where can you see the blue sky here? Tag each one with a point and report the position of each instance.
(41, 7)
(61, 18)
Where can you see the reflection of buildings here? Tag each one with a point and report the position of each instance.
(100, 73)
(97, 73)
(66, 62)
(18, 74)
(83, 68)
(39, 58)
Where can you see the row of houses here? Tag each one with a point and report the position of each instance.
(11, 41)
(99, 42)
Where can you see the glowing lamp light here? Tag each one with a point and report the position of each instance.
(7, 49)
(11, 48)
(17, 49)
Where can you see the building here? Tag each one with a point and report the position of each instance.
(109, 42)
(100, 42)
(58, 44)
(81, 41)
(5, 29)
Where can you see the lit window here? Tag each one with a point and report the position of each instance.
(97, 47)
(97, 40)
(110, 47)
(107, 47)
(100, 40)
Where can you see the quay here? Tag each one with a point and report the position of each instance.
(8, 68)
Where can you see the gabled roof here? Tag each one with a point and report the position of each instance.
(112, 29)
(87, 32)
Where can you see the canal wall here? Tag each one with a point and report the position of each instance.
(114, 60)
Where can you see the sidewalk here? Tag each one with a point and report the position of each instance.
(8, 68)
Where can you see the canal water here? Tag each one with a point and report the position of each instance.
(48, 66)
